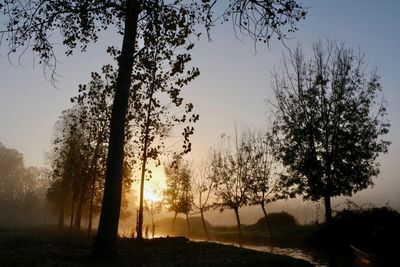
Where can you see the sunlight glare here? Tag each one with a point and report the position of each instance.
(153, 187)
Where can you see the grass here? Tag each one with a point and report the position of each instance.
(43, 247)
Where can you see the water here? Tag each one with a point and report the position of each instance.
(309, 256)
(313, 257)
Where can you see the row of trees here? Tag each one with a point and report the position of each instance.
(237, 175)
(327, 132)
(79, 151)
(155, 107)
(31, 25)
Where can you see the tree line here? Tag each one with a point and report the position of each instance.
(325, 134)
(22, 190)
(328, 128)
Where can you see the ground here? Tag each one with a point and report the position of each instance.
(51, 248)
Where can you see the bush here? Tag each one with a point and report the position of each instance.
(276, 219)
(373, 230)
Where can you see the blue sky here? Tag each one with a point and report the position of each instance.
(232, 87)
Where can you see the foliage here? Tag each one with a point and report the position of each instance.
(21, 201)
(329, 123)
(265, 171)
(202, 190)
(160, 73)
(177, 195)
(80, 145)
(277, 219)
(371, 229)
(231, 173)
(31, 24)
(202, 185)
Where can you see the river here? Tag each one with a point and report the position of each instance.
(309, 256)
(313, 257)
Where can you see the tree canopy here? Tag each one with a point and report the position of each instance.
(330, 119)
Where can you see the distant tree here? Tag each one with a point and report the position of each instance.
(264, 187)
(329, 123)
(202, 187)
(18, 196)
(95, 100)
(78, 155)
(186, 198)
(31, 24)
(153, 207)
(177, 195)
(231, 175)
(64, 159)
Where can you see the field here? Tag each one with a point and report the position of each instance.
(44, 247)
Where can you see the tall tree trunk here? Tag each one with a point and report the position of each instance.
(140, 215)
(62, 206)
(238, 222)
(78, 217)
(332, 255)
(108, 224)
(328, 210)
(144, 162)
(72, 211)
(204, 224)
(62, 212)
(91, 206)
(93, 174)
(153, 226)
(173, 222)
(188, 223)
(267, 219)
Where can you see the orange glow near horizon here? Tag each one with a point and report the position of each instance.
(153, 187)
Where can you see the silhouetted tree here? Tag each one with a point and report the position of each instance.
(329, 123)
(231, 175)
(263, 177)
(95, 100)
(65, 159)
(79, 150)
(160, 74)
(32, 24)
(18, 196)
(177, 195)
(202, 185)
(153, 207)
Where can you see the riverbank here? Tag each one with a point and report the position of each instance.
(40, 247)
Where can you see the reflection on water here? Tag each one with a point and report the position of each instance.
(318, 260)
(292, 252)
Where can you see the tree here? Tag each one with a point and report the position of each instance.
(231, 175)
(329, 123)
(153, 207)
(79, 151)
(177, 195)
(202, 185)
(19, 200)
(32, 23)
(161, 73)
(65, 159)
(95, 100)
(263, 185)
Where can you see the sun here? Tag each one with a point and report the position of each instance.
(154, 187)
(150, 196)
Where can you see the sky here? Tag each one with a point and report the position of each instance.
(232, 88)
